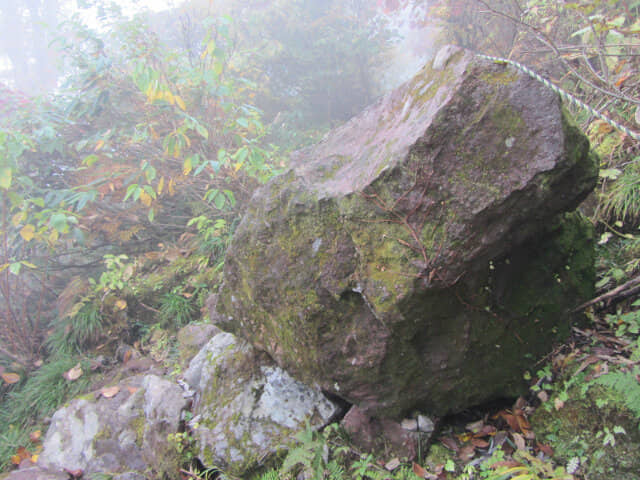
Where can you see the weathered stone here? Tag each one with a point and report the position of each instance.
(35, 473)
(418, 257)
(118, 435)
(192, 337)
(247, 408)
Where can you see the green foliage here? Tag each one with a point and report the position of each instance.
(44, 391)
(626, 384)
(12, 437)
(176, 310)
(75, 334)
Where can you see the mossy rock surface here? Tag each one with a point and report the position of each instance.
(420, 255)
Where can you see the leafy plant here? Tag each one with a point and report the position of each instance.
(627, 385)
(74, 334)
(176, 310)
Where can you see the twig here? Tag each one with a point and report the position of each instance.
(619, 293)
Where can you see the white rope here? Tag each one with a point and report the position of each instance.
(566, 95)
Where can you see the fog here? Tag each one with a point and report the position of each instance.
(33, 31)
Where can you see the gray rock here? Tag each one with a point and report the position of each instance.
(419, 256)
(247, 408)
(122, 434)
(36, 473)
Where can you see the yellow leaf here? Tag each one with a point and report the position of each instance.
(168, 96)
(121, 304)
(99, 145)
(10, 378)
(3, 267)
(73, 373)
(53, 236)
(28, 232)
(238, 166)
(15, 459)
(34, 458)
(35, 436)
(154, 134)
(180, 103)
(5, 178)
(145, 198)
(160, 186)
(187, 167)
(171, 187)
(18, 218)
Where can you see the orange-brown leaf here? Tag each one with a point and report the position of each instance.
(35, 436)
(10, 378)
(479, 443)
(419, 471)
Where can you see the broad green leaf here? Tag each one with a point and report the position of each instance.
(203, 132)
(58, 221)
(151, 215)
(130, 189)
(219, 201)
(15, 267)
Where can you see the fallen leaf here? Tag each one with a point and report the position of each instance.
(121, 304)
(109, 392)
(546, 449)
(34, 458)
(419, 471)
(543, 396)
(132, 390)
(519, 440)
(10, 378)
(73, 373)
(466, 453)
(487, 430)
(20, 455)
(35, 436)
(450, 443)
(391, 465)
(479, 443)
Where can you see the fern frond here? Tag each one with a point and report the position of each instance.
(626, 384)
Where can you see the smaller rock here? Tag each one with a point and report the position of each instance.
(36, 473)
(121, 433)
(192, 337)
(247, 408)
(410, 424)
(425, 424)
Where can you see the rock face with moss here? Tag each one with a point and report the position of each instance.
(421, 254)
(247, 408)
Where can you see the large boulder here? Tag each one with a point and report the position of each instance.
(247, 409)
(121, 431)
(418, 257)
